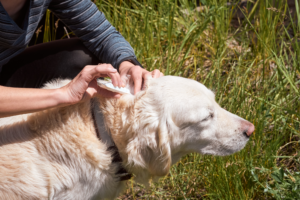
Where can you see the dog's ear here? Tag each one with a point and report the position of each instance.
(148, 146)
(159, 162)
(150, 149)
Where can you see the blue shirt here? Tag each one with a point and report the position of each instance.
(81, 16)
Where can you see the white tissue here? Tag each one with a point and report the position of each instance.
(109, 86)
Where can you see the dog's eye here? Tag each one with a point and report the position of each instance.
(211, 115)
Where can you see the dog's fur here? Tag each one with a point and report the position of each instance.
(55, 154)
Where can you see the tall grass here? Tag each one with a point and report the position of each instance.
(254, 69)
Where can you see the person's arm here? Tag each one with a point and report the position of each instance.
(101, 38)
(15, 101)
(97, 34)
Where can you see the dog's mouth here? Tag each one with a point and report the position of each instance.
(226, 148)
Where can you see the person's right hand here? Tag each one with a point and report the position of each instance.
(84, 85)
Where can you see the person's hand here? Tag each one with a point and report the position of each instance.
(84, 85)
(138, 74)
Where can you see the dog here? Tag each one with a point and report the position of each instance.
(56, 154)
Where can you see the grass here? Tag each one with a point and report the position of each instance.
(253, 68)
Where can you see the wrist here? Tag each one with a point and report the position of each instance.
(59, 97)
(131, 59)
(125, 65)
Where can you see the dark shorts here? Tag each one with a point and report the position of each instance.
(43, 62)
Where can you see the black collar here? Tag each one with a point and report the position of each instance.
(122, 173)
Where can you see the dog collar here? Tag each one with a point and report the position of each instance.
(105, 137)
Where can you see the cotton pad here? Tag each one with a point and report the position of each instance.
(109, 86)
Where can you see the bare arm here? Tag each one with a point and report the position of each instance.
(15, 101)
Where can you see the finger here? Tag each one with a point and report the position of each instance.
(136, 74)
(115, 78)
(114, 75)
(93, 71)
(92, 88)
(146, 76)
(156, 73)
(161, 74)
(124, 77)
(103, 69)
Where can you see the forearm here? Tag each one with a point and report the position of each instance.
(15, 101)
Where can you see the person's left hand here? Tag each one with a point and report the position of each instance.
(138, 74)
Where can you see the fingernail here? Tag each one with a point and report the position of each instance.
(113, 70)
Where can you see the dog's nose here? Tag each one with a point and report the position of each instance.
(248, 128)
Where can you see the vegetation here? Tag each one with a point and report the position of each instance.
(254, 69)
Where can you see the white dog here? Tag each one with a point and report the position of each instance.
(55, 154)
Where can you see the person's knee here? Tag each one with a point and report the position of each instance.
(81, 58)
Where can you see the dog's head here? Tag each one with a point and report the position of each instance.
(173, 116)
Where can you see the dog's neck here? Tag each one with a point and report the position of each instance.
(120, 119)
(118, 114)
(104, 136)
(142, 141)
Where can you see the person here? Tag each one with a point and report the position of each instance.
(23, 71)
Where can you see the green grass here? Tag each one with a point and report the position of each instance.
(254, 69)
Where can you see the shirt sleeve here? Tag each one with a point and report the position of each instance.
(97, 34)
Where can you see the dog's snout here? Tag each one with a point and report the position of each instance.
(248, 128)
(245, 134)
